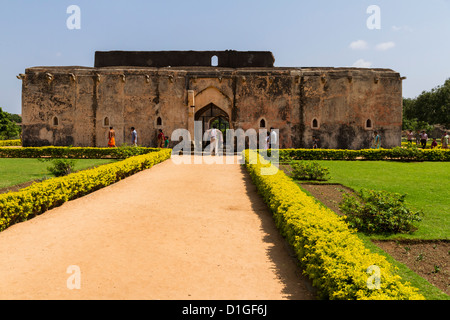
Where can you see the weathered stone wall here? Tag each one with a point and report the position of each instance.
(44, 97)
(161, 59)
(343, 100)
(337, 101)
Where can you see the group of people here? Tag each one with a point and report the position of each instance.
(421, 138)
(215, 135)
(163, 141)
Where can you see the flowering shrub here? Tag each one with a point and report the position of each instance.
(10, 143)
(40, 197)
(307, 170)
(373, 211)
(329, 251)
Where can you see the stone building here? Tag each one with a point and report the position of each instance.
(170, 90)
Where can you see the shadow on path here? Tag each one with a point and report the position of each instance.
(296, 285)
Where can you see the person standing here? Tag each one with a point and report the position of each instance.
(418, 138)
(166, 142)
(315, 143)
(376, 140)
(267, 144)
(133, 137)
(444, 140)
(410, 137)
(423, 139)
(273, 138)
(111, 138)
(161, 139)
(214, 140)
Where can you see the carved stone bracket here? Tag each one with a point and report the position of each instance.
(49, 77)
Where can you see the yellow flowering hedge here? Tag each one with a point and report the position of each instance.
(40, 197)
(10, 143)
(331, 254)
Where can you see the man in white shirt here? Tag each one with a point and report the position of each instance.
(273, 138)
(444, 140)
(423, 139)
(214, 140)
(133, 137)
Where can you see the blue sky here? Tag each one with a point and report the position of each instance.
(413, 38)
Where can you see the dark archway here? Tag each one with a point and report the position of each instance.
(213, 115)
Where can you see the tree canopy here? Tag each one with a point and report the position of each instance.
(9, 128)
(431, 107)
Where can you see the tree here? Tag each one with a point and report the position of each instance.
(432, 107)
(8, 125)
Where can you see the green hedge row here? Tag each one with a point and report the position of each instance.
(402, 154)
(10, 143)
(40, 197)
(74, 152)
(329, 251)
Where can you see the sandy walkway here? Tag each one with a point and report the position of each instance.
(171, 232)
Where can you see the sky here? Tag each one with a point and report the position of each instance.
(408, 36)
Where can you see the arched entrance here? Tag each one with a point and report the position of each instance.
(212, 115)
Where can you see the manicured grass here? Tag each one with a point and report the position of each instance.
(17, 171)
(427, 187)
(425, 183)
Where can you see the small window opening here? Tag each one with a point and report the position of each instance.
(106, 122)
(214, 61)
(315, 124)
(369, 124)
(262, 123)
(55, 121)
(159, 121)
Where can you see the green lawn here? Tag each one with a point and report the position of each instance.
(16, 171)
(425, 183)
(427, 187)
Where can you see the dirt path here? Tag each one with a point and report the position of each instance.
(171, 232)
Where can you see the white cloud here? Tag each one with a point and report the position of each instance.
(361, 63)
(359, 45)
(385, 46)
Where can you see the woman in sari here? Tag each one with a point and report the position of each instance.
(111, 138)
(161, 139)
